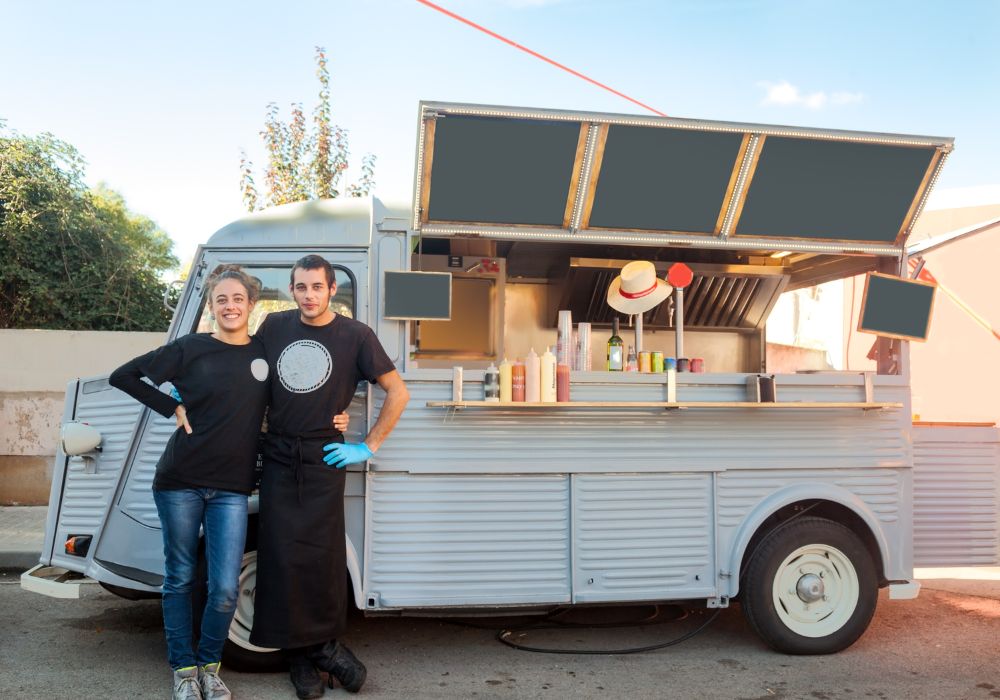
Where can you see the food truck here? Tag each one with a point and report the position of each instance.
(799, 494)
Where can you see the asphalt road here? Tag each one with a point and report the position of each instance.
(943, 645)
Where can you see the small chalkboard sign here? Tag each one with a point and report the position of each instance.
(417, 296)
(896, 308)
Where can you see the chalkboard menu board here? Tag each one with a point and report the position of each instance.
(896, 308)
(418, 296)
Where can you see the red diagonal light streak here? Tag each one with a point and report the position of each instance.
(537, 55)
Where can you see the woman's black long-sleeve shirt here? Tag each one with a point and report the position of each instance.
(225, 390)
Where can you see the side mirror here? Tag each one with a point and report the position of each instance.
(166, 294)
(78, 439)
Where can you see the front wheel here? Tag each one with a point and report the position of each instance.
(810, 587)
(238, 653)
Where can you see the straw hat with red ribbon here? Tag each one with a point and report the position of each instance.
(637, 289)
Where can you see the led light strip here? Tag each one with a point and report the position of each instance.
(609, 236)
(583, 183)
(419, 176)
(694, 125)
(741, 181)
(927, 192)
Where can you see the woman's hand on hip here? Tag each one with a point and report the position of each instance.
(180, 413)
(341, 421)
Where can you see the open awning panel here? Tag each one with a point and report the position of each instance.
(502, 171)
(489, 170)
(663, 179)
(809, 188)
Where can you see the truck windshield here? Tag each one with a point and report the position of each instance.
(274, 296)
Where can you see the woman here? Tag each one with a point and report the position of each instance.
(206, 471)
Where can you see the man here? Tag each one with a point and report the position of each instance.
(317, 358)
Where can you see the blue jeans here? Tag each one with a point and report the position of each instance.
(224, 516)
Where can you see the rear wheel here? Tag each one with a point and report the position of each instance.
(810, 587)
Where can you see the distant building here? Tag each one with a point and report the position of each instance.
(955, 375)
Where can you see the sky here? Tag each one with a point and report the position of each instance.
(160, 98)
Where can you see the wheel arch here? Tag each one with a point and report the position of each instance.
(836, 503)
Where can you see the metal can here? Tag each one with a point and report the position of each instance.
(683, 364)
(656, 360)
(697, 364)
(644, 362)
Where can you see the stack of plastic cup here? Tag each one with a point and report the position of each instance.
(583, 347)
(564, 340)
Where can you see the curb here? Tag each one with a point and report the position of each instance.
(18, 560)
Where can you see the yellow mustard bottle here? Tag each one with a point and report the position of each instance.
(506, 382)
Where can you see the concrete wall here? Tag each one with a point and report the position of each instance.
(35, 367)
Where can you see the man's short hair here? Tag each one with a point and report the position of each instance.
(313, 262)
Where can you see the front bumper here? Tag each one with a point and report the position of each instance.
(904, 590)
(53, 581)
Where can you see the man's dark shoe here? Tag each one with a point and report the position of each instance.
(337, 660)
(305, 677)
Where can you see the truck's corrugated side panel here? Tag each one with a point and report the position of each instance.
(642, 537)
(956, 475)
(467, 540)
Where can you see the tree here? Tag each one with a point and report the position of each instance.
(72, 257)
(304, 165)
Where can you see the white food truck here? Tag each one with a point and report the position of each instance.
(800, 501)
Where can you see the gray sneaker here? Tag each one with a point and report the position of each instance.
(212, 687)
(186, 684)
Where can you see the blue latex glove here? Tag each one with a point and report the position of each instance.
(174, 393)
(340, 454)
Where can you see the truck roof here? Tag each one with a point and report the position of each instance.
(347, 221)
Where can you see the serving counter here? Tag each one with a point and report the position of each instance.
(618, 423)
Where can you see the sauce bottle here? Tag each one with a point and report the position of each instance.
(562, 383)
(548, 377)
(532, 378)
(505, 381)
(517, 377)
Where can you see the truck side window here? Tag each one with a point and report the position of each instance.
(274, 296)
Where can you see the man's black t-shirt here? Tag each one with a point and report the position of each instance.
(224, 388)
(316, 369)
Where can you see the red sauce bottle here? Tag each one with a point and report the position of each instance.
(517, 377)
(562, 383)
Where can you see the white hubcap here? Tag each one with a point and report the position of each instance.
(815, 590)
(239, 630)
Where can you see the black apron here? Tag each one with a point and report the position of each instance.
(301, 596)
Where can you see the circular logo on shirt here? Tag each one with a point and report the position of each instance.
(258, 368)
(304, 366)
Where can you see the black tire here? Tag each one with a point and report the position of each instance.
(239, 655)
(780, 595)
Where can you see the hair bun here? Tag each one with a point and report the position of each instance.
(229, 271)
